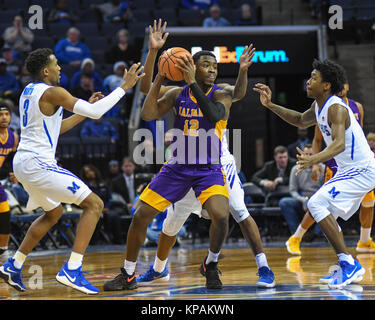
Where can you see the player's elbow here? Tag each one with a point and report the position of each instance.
(146, 117)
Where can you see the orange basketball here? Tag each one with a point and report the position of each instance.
(168, 60)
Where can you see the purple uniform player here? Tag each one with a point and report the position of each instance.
(8, 144)
(202, 110)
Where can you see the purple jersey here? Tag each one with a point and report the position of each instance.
(196, 141)
(6, 146)
(331, 163)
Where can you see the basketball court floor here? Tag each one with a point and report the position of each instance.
(297, 277)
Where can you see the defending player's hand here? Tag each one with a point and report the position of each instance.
(187, 67)
(246, 58)
(304, 161)
(95, 97)
(132, 76)
(156, 35)
(265, 94)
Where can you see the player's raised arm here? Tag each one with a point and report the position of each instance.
(238, 91)
(295, 118)
(59, 96)
(156, 40)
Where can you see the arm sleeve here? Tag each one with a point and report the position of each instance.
(212, 111)
(100, 107)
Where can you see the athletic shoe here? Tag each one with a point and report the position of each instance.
(332, 270)
(368, 246)
(266, 277)
(151, 276)
(12, 275)
(293, 244)
(346, 274)
(123, 281)
(76, 280)
(211, 272)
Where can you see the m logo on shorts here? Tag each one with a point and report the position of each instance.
(333, 192)
(74, 188)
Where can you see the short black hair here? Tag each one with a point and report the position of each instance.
(333, 73)
(37, 60)
(201, 53)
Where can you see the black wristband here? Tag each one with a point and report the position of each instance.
(212, 111)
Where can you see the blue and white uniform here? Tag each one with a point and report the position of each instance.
(342, 195)
(34, 163)
(180, 211)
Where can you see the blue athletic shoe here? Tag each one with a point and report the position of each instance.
(12, 275)
(346, 274)
(76, 280)
(151, 276)
(266, 277)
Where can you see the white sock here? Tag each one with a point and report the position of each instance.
(365, 234)
(346, 257)
(159, 265)
(261, 260)
(212, 257)
(300, 232)
(75, 260)
(19, 259)
(129, 266)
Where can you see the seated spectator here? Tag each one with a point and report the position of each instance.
(126, 183)
(9, 86)
(301, 188)
(198, 4)
(70, 50)
(302, 140)
(14, 66)
(114, 11)
(88, 68)
(85, 89)
(99, 128)
(246, 17)
(113, 170)
(111, 219)
(20, 38)
(276, 172)
(113, 81)
(122, 50)
(215, 20)
(62, 14)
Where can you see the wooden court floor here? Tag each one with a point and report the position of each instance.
(297, 278)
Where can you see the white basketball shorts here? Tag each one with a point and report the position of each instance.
(47, 184)
(342, 195)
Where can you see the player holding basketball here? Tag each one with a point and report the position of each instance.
(347, 144)
(201, 107)
(180, 211)
(365, 244)
(48, 185)
(8, 144)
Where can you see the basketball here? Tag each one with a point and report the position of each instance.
(168, 60)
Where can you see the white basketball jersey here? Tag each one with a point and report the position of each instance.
(357, 151)
(39, 133)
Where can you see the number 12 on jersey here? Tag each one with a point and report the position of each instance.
(191, 127)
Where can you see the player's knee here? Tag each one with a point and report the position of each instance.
(143, 216)
(219, 216)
